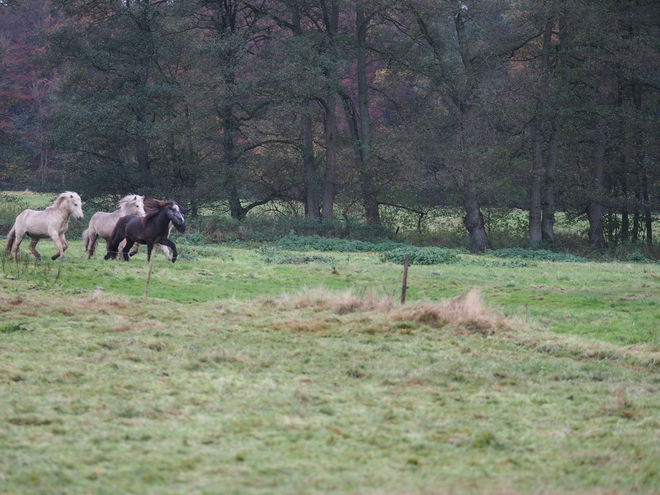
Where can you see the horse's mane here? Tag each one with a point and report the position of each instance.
(153, 207)
(127, 199)
(64, 197)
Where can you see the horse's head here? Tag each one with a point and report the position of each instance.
(71, 202)
(175, 214)
(132, 205)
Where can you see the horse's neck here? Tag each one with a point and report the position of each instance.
(161, 218)
(126, 209)
(58, 214)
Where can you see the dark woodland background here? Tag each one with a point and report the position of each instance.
(342, 108)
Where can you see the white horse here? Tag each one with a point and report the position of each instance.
(102, 224)
(52, 222)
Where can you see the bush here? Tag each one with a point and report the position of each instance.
(271, 254)
(536, 254)
(10, 207)
(421, 256)
(293, 242)
(638, 257)
(261, 228)
(194, 239)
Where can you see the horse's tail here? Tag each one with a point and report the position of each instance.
(11, 237)
(88, 243)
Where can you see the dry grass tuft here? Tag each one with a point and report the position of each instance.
(99, 300)
(465, 313)
(11, 301)
(298, 325)
(318, 300)
(582, 349)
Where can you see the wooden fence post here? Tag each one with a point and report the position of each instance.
(151, 266)
(405, 278)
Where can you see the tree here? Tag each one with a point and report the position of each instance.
(455, 49)
(119, 99)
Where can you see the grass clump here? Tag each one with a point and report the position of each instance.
(17, 327)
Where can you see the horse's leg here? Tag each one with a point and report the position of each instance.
(15, 237)
(33, 244)
(60, 242)
(165, 251)
(91, 244)
(112, 245)
(11, 238)
(127, 248)
(150, 247)
(168, 242)
(65, 246)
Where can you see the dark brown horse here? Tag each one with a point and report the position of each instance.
(153, 228)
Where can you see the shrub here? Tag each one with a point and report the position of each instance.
(194, 239)
(536, 254)
(10, 207)
(272, 254)
(421, 256)
(637, 257)
(293, 242)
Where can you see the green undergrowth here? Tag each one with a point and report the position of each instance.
(294, 242)
(536, 254)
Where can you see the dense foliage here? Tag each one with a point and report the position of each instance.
(342, 109)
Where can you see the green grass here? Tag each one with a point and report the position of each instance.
(243, 375)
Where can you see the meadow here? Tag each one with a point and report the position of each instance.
(254, 369)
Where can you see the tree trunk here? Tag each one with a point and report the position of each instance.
(329, 185)
(625, 215)
(644, 193)
(236, 209)
(595, 209)
(548, 203)
(535, 228)
(309, 160)
(311, 175)
(369, 190)
(648, 217)
(474, 219)
(331, 22)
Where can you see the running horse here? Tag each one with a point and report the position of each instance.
(52, 222)
(153, 228)
(102, 224)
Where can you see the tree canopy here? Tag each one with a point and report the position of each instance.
(342, 106)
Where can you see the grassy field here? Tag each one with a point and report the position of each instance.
(242, 375)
